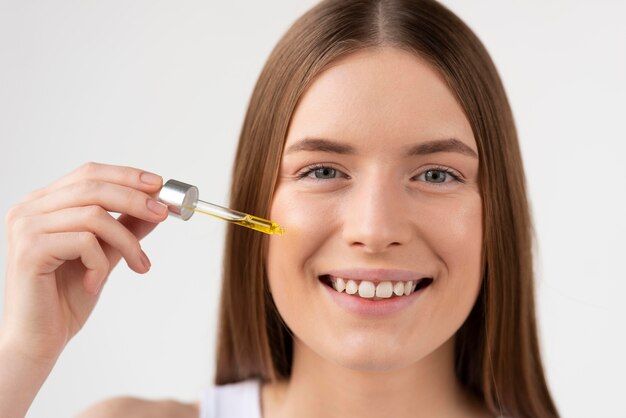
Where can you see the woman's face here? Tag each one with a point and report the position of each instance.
(378, 184)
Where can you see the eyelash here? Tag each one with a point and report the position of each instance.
(310, 169)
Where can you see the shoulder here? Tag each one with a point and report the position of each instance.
(129, 407)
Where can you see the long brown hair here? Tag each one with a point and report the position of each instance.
(497, 356)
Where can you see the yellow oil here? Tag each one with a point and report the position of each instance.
(260, 224)
(252, 222)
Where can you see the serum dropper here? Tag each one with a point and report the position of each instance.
(182, 201)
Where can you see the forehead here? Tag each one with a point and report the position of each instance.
(380, 97)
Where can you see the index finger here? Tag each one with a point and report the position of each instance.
(118, 174)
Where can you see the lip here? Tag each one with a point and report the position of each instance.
(370, 308)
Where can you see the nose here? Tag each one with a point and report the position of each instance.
(376, 217)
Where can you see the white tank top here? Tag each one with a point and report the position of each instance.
(235, 400)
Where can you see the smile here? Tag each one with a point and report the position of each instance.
(374, 290)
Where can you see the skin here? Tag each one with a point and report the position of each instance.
(377, 208)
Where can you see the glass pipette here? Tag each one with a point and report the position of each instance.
(182, 201)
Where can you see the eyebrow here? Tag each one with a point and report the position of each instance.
(424, 148)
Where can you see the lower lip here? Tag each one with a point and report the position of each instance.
(366, 307)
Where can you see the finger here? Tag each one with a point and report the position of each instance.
(122, 175)
(138, 227)
(49, 251)
(110, 196)
(93, 219)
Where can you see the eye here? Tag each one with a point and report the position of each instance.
(324, 173)
(439, 175)
(319, 172)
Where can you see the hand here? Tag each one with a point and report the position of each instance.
(62, 246)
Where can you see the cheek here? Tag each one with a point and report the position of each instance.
(289, 255)
(457, 241)
(458, 229)
(304, 223)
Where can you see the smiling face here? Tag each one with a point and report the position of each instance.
(378, 181)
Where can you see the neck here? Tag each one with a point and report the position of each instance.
(428, 388)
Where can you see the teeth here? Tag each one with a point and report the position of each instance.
(398, 289)
(368, 290)
(384, 290)
(351, 287)
(408, 288)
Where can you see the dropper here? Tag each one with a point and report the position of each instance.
(182, 201)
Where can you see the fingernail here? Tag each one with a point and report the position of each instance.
(144, 260)
(150, 178)
(156, 207)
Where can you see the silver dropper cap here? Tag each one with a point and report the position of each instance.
(178, 197)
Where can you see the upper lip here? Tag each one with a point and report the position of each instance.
(377, 274)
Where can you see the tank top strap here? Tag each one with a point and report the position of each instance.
(234, 400)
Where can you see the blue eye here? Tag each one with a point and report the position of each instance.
(320, 172)
(324, 173)
(436, 175)
(439, 175)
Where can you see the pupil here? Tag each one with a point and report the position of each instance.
(325, 172)
(437, 176)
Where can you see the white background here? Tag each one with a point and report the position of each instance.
(163, 86)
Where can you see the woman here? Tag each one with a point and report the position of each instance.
(379, 135)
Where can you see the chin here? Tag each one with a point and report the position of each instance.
(369, 355)
(371, 363)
